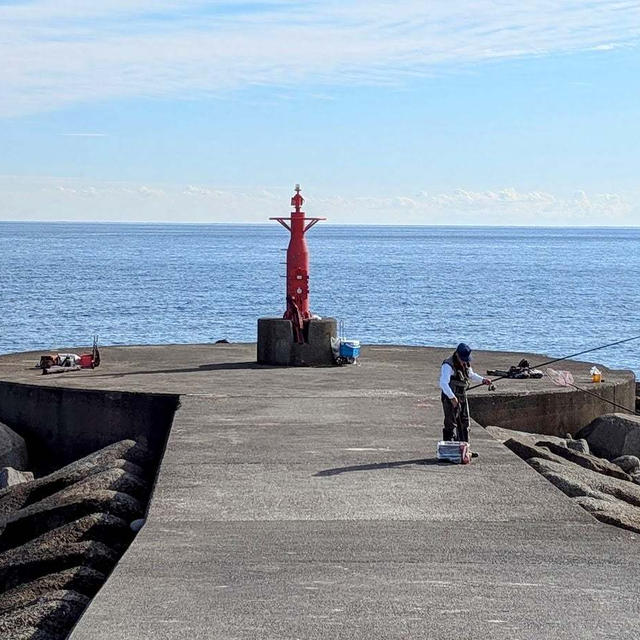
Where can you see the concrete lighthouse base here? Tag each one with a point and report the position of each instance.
(277, 344)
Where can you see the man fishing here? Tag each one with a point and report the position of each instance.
(456, 375)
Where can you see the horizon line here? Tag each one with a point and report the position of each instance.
(334, 224)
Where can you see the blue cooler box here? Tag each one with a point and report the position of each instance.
(350, 348)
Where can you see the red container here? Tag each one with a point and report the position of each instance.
(86, 361)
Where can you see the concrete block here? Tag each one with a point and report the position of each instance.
(277, 345)
(31, 561)
(601, 465)
(13, 450)
(617, 513)
(80, 579)
(630, 464)
(120, 455)
(574, 481)
(65, 507)
(9, 477)
(54, 614)
(101, 527)
(613, 435)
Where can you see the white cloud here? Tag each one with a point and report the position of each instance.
(192, 190)
(66, 199)
(84, 135)
(150, 192)
(71, 51)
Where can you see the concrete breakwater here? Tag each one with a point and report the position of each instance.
(62, 424)
(606, 485)
(545, 410)
(307, 503)
(62, 534)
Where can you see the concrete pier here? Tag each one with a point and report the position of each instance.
(307, 503)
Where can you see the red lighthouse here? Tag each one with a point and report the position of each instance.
(297, 264)
(300, 338)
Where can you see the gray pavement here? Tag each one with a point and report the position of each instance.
(306, 503)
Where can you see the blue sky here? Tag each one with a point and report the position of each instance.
(408, 113)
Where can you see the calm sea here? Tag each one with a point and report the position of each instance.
(553, 291)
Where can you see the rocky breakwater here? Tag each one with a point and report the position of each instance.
(61, 535)
(13, 457)
(599, 470)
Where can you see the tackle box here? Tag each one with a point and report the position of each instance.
(454, 451)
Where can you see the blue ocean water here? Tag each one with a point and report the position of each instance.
(553, 291)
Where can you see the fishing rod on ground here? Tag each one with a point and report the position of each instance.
(573, 355)
(506, 401)
(565, 379)
(571, 383)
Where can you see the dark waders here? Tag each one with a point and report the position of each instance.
(456, 421)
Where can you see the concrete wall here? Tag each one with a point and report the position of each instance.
(62, 425)
(557, 413)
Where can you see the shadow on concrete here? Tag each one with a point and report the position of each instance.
(376, 466)
(221, 366)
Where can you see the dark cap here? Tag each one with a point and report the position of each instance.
(464, 352)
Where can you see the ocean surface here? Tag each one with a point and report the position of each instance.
(551, 291)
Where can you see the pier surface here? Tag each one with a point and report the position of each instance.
(307, 503)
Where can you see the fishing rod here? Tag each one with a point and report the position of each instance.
(595, 395)
(573, 355)
(508, 400)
